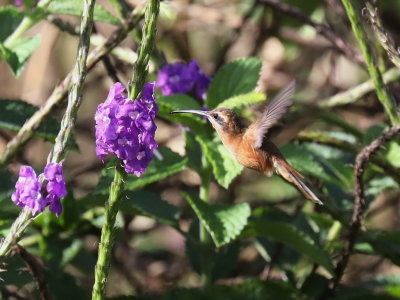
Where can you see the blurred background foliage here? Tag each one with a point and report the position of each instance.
(288, 248)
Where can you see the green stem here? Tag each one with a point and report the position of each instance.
(107, 233)
(16, 231)
(373, 70)
(145, 49)
(118, 185)
(59, 93)
(78, 77)
(358, 91)
(27, 22)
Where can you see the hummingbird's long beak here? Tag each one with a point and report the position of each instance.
(191, 111)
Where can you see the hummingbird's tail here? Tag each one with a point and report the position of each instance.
(294, 177)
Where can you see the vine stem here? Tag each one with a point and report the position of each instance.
(373, 70)
(118, 184)
(59, 93)
(74, 100)
(363, 157)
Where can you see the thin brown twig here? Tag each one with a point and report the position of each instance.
(359, 206)
(322, 29)
(36, 269)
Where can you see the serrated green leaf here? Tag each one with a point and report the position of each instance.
(166, 104)
(225, 167)
(223, 222)
(75, 8)
(151, 205)
(10, 18)
(14, 113)
(18, 54)
(235, 78)
(241, 101)
(158, 169)
(291, 236)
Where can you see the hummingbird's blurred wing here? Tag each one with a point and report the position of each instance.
(272, 113)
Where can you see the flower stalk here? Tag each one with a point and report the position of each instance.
(117, 187)
(373, 70)
(74, 100)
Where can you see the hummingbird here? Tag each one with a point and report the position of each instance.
(250, 146)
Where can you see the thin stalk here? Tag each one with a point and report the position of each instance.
(74, 100)
(107, 233)
(78, 78)
(118, 185)
(145, 49)
(365, 45)
(27, 22)
(355, 93)
(59, 93)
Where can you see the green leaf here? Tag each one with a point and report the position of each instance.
(393, 154)
(158, 169)
(249, 289)
(18, 54)
(292, 237)
(224, 165)
(10, 18)
(166, 104)
(223, 222)
(241, 101)
(75, 8)
(302, 160)
(14, 113)
(235, 78)
(151, 205)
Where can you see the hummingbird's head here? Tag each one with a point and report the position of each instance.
(224, 120)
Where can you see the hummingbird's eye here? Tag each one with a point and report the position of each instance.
(215, 116)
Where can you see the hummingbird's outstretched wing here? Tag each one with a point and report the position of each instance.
(272, 113)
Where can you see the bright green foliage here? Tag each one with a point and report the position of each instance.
(225, 167)
(75, 8)
(150, 205)
(235, 78)
(223, 222)
(242, 101)
(18, 54)
(291, 236)
(171, 163)
(167, 104)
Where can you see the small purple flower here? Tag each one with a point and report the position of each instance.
(56, 188)
(28, 189)
(18, 2)
(179, 78)
(126, 128)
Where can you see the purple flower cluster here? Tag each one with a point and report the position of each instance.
(179, 78)
(126, 128)
(28, 189)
